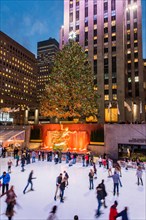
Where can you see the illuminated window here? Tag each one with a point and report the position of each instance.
(114, 96)
(111, 115)
(136, 78)
(106, 97)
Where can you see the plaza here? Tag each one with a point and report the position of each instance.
(79, 200)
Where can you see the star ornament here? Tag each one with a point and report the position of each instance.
(72, 35)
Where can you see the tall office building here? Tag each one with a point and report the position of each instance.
(46, 51)
(18, 75)
(110, 32)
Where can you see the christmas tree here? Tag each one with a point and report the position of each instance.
(70, 89)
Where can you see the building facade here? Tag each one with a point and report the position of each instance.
(46, 51)
(18, 76)
(110, 32)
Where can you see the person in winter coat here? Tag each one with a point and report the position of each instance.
(99, 199)
(104, 192)
(123, 214)
(6, 180)
(62, 188)
(139, 175)
(52, 215)
(58, 182)
(29, 181)
(67, 177)
(113, 211)
(22, 162)
(11, 202)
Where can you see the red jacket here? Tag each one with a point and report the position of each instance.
(113, 213)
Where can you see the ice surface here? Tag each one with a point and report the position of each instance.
(79, 200)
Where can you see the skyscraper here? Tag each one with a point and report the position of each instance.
(46, 51)
(110, 32)
(18, 75)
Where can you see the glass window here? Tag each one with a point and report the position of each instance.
(95, 32)
(106, 40)
(135, 14)
(113, 29)
(71, 17)
(106, 50)
(105, 7)
(86, 11)
(86, 24)
(106, 30)
(135, 24)
(114, 65)
(113, 18)
(128, 26)
(135, 35)
(113, 5)
(113, 48)
(77, 15)
(128, 15)
(95, 9)
(128, 37)
(106, 20)
(113, 38)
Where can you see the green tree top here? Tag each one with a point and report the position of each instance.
(70, 89)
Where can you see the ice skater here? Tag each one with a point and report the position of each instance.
(6, 180)
(29, 182)
(116, 181)
(91, 175)
(99, 192)
(113, 211)
(53, 215)
(11, 202)
(102, 186)
(58, 182)
(10, 163)
(139, 175)
(62, 188)
(123, 214)
(67, 177)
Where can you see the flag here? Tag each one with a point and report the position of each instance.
(140, 107)
(109, 106)
(118, 109)
(127, 106)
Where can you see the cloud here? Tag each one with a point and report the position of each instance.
(38, 27)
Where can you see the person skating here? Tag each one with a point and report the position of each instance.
(10, 163)
(94, 168)
(113, 211)
(6, 181)
(62, 188)
(139, 175)
(123, 214)
(67, 177)
(58, 182)
(91, 175)
(11, 202)
(110, 166)
(29, 181)
(102, 185)
(22, 162)
(99, 192)
(17, 159)
(53, 215)
(116, 181)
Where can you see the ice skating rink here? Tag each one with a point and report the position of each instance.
(79, 200)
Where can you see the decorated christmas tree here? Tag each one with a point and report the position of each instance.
(70, 90)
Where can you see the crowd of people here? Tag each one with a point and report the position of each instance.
(114, 171)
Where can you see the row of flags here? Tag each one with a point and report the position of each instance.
(8, 110)
(126, 105)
